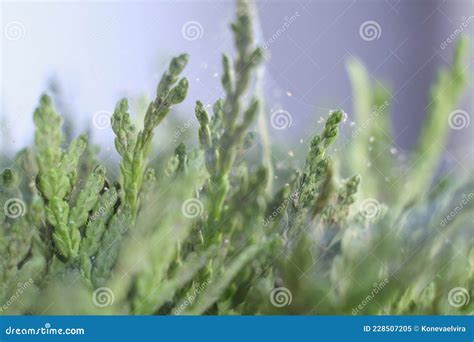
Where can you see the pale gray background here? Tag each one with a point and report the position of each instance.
(100, 51)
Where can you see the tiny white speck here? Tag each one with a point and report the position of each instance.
(371, 139)
(393, 150)
(344, 116)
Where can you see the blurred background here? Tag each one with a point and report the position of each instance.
(92, 53)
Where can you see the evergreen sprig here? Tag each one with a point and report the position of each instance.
(57, 178)
(223, 142)
(134, 147)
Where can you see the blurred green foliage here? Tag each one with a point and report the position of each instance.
(201, 234)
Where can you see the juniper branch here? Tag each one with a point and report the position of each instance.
(135, 147)
(221, 147)
(444, 96)
(57, 174)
